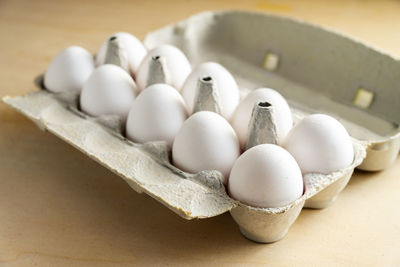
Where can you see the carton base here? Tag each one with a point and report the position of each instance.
(266, 225)
(259, 239)
(310, 204)
(328, 195)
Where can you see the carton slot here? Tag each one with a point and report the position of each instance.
(363, 98)
(271, 61)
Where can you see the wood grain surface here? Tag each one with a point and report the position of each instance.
(59, 208)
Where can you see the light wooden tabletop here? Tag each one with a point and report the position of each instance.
(58, 207)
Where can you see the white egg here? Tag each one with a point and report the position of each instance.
(69, 70)
(134, 48)
(177, 66)
(206, 141)
(320, 144)
(266, 176)
(109, 91)
(283, 116)
(224, 82)
(157, 114)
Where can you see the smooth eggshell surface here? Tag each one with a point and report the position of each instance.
(206, 141)
(320, 144)
(109, 91)
(283, 116)
(69, 70)
(266, 176)
(134, 48)
(224, 82)
(157, 114)
(177, 66)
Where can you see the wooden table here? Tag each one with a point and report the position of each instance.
(58, 207)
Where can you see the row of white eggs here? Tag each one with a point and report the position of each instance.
(265, 175)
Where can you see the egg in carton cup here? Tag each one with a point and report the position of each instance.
(316, 69)
(267, 225)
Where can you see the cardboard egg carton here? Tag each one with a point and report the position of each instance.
(315, 69)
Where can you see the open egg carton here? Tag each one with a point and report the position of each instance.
(315, 69)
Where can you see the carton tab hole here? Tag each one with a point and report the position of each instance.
(363, 98)
(206, 79)
(271, 61)
(264, 104)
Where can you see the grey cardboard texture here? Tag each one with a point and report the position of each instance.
(318, 71)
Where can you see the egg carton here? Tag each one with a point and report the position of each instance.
(316, 69)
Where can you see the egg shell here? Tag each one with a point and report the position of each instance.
(266, 176)
(157, 114)
(177, 66)
(206, 141)
(320, 144)
(109, 91)
(228, 91)
(69, 70)
(283, 116)
(134, 48)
